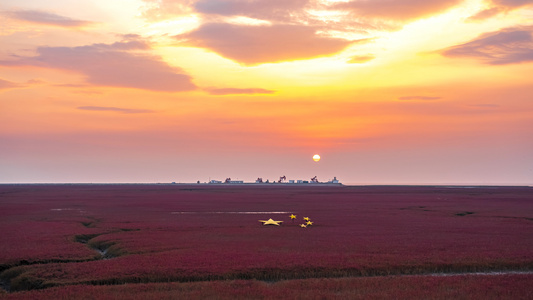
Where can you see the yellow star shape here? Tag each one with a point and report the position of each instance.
(306, 218)
(270, 222)
(303, 225)
(309, 223)
(293, 217)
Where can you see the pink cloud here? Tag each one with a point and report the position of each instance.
(259, 9)
(236, 91)
(46, 18)
(507, 46)
(499, 6)
(253, 45)
(4, 84)
(487, 13)
(115, 65)
(397, 9)
(512, 3)
(485, 106)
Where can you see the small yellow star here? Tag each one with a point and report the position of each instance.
(271, 222)
(309, 223)
(306, 218)
(303, 225)
(293, 217)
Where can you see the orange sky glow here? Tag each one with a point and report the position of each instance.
(387, 92)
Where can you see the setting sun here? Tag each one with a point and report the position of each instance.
(316, 157)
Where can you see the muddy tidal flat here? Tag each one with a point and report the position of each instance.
(149, 241)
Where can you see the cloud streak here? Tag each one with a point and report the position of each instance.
(507, 46)
(512, 3)
(237, 91)
(499, 6)
(485, 105)
(115, 109)
(259, 9)
(46, 18)
(396, 9)
(424, 98)
(4, 84)
(115, 65)
(252, 45)
(361, 59)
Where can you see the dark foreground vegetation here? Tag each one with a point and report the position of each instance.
(199, 241)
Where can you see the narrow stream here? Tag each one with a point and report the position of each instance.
(5, 285)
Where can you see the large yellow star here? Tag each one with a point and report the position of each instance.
(293, 217)
(270, 222)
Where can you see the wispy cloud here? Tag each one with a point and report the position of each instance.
(499, 6)
(35, 81)
(424, 98)
(115, 109)
(4, 84)
(486, 13)
(485, 105)
(361, 59)
(510, 3)
(253, 45)
(121, 64)
(237, 91)
(158, 10)
(46, 18)
(397, 9)
(507, 46)
(271, 10)
(87, 92)
(72, 85)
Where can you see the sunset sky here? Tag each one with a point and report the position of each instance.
(386, 91)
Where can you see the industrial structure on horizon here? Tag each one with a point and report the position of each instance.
(282, 180)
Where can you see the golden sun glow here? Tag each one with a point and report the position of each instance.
(316, 157)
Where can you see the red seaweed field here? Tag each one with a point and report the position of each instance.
(142, 241)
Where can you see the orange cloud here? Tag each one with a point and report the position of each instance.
(425, 98)
(46, 18)
(115, 109)
(236, 91)
(157, 10)
(361, 59)
(253, 45)
(115, 65)
(397, 9)
(507, 46)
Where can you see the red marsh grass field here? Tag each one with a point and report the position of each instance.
(206, 241)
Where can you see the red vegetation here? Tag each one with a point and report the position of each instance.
(160, 233)
(513, 287)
